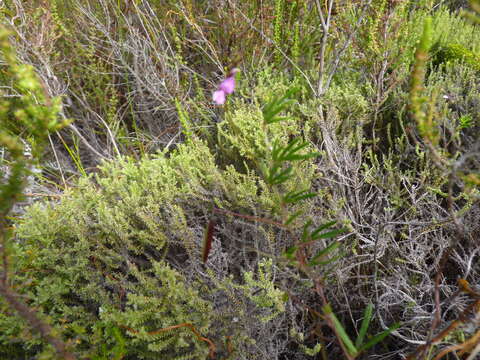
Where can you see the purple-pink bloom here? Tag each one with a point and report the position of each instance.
(226, 87)
(219, 97)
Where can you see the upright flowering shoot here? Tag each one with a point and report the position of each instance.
(225, 88)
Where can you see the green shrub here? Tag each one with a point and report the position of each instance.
(443, 54)
(96, 258)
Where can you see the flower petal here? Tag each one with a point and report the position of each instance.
(219, 97)
(228, 85)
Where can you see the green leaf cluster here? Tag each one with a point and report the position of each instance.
(96, 258)
(263, 291)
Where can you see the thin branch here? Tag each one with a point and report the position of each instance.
(340, 53)
(325, 20)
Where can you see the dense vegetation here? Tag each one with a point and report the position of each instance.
(329, 209)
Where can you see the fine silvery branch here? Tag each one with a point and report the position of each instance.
(324, 79)
(325, 23)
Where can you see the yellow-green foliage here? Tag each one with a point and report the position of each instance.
(455, 39)
(455, 53)
(454, 28)
(424, 118)
(246, 142)
(243, 132)
(96, 258)
(349, 102)
(161, 299)
(29, 114)
(300, 338)
(263, 292)
(256, 297)
(33, 110)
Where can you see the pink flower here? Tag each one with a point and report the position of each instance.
(225, 88)
(219, 97)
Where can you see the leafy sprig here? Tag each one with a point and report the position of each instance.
(279, 171)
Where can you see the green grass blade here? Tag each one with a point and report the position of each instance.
(367, 316)
(344, 338)
(379, 337)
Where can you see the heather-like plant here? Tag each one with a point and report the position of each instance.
(279, 170)
(277, 164)
(96, 333)
(423, 110)
(37, 114)
(98, 260)
(239, 209)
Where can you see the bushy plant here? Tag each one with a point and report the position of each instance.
(334, 194)
(454, 53)
(36, 114)
(100, 253)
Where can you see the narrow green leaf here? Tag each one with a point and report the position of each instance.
(306, 233)
(277, 105)
(334, 245)
(279, 177)
(291, 149)
(294, 148)
(276, 119)
(272, 171)
(367, 316)
(293, 217)
(298, 157)
(325, 262)
(267, 109)
(328, 235)
(377, 338)
(290, 252)
(296, 196)
(340, 330)
(277, 148)
(323, 227)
